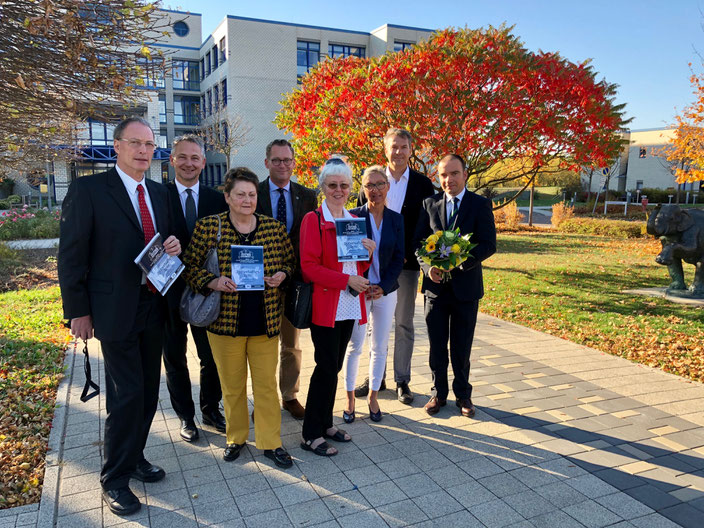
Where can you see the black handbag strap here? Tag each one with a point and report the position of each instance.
(90, 384)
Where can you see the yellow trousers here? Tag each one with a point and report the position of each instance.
(232, 354)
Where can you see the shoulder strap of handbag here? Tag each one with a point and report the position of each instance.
(90, 384)
(320, 230)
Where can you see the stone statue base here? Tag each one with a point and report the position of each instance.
(676, 296)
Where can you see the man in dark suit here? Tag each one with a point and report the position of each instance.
(106, 221)
(407, 190)
(288, 202)
(451, 306)
(189, 201)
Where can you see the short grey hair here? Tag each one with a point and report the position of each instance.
(375, 169)
(279, 143)
(338, 167)
(189, 138)
(398, 132)
(120, 128)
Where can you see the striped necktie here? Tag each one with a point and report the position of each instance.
(453, 213)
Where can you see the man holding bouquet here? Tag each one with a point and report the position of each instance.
(455, 234)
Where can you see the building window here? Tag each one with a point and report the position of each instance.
(642, 153)
(223, 92)
(181, 28)
(216, 98)
(209, 102)
(342, 50)
(218, 174)
(223, 51)
(202, 106)
(185, 75)
(202, 69)
(308, 56)
(151, 72)
(185, 110)
(402, 46)
(207, 64)
(162, 108)
(214, 56)
(224, 134)
(639, 185)
(98, 133)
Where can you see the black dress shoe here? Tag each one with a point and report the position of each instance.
(232, 451)
(361, 390)
(147, 472)
(466, 407)
(280, 457)
(189, 431)
(121, 501)
(404, 393)
(215, 419)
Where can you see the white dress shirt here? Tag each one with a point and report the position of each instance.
(183, 195)
(449, 205)
(131, 187)
(397, 190)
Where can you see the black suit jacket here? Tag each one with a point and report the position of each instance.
(100, 238)
(304, 201)
(419, 188)
(475, 216)
(210, 202)
(391, 248)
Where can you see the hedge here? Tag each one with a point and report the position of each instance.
(597, 226)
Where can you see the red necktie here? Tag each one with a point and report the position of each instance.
(147, 224)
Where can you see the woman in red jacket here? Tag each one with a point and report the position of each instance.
(337, 304)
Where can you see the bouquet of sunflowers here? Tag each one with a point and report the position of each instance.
(445, 250)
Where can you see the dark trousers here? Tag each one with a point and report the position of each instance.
(330, 345)
(450, 319)
(177, 377)
(132, 372)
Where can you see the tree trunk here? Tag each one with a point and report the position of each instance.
(530, 207)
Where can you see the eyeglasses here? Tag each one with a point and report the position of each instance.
(335, 161)
(135, 143)
(378, 186)
(278, 161)
(333, 186)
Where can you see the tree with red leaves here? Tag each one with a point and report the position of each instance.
(479, 93)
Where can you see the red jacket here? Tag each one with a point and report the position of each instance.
(320, 266)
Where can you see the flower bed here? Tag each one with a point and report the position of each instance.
(29, 223)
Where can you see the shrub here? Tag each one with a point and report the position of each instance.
(597, 226)
(29, 223)
(561, 212)
(507, 218)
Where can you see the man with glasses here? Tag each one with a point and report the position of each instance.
(288, 202)
(190, 200)
(106, 220)
(407, 190)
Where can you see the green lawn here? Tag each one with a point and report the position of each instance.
(570, 286)
(32, 343)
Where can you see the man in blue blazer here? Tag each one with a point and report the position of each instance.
(190, 200)
(106, 220)
(451, 307)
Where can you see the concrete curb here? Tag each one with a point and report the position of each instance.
(50, 492)
(39, 243)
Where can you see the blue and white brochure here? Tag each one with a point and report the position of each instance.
(350, 232)
(248, 267)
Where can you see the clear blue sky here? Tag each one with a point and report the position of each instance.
(643, 46)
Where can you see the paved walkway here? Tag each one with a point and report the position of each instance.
(564, 436)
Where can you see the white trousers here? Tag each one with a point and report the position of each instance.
(380, 314)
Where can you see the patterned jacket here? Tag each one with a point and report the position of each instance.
(278, 256)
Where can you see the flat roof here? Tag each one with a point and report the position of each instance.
(298, 25)
(179, 12)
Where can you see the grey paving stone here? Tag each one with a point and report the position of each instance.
(495, 514)
(624, 506)
(412, 445)
(353, 460)
(529, 504)
(654, 520)
(268, 519)
(346, 503)
(216, 512)
(259, 502)
(212, 492)
(620, 479)
(295, 493)
(79, 502)
(533, 476)
(560, 494)
(480, 467)
(365, 476)
(460, 519)
(85, 519)
(7, 522)
(330, 484)
(592, 514)
(27, 518)
(369, 439)
(449, 476)
(173, 481)
(169, 519)
(431, 459)
(654, 497)
(247, 484)
(562, 468)
(555, 519)
(471, 493)
(591, 486)
(80, 484)
(317, 467)
(503, 484)
(309, 513)
(363, 519)
(684, 515)
(416, 485)
(382, 493)
(401, 513)
(438, 504)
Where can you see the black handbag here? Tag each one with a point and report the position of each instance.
(298, 304)
(198, 309)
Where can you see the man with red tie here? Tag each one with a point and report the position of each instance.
(106, 221)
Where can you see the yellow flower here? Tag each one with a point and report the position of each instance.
(438, 234)
(430, 246)
(455, 248)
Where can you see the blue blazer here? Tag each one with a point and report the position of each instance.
(391, 246)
